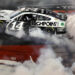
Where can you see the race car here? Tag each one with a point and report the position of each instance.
(44, 19)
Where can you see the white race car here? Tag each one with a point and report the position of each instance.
(25, 19)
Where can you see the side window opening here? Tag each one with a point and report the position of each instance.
(42, 18)
(21, 18)
(26, 17)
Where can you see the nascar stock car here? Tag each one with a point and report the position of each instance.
(26, 18)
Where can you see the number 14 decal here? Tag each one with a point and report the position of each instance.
(17, 26)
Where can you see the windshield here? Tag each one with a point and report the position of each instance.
(15, 14)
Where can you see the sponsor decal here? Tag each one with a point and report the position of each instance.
(19, 25)
(46, 23)
(16, 26)
(62, 24)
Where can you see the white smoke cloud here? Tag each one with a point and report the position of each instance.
(37, 32)
(73, 67)
(18, 34)
(47, 64)
(21, 70)
(71, 25)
